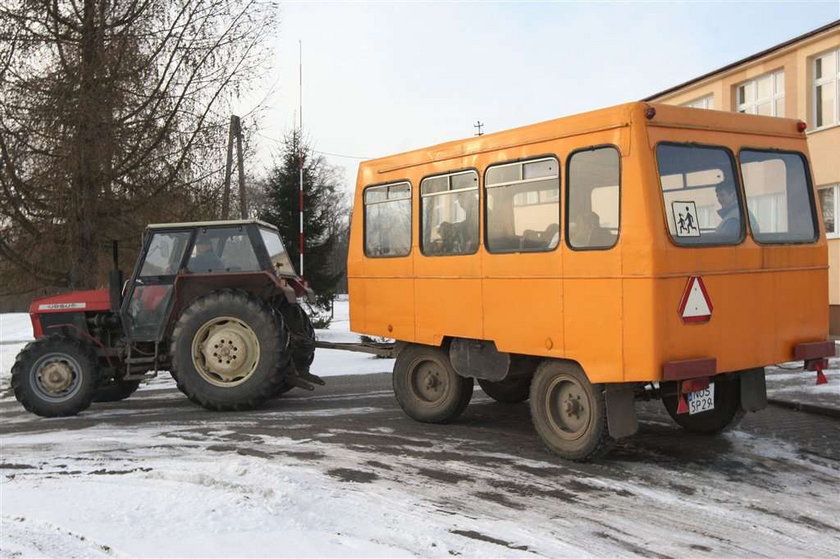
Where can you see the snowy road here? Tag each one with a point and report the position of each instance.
(342, 472)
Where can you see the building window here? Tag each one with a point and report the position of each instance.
(764, 95)
(449, 214)
(707, 102)
(523, 206)
(388, 220)
(830, 204)
(826, 88)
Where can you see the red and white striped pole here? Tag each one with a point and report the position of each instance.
(300, 152)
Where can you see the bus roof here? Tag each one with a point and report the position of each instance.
(602, 119)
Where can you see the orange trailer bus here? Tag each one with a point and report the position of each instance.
(590, 261)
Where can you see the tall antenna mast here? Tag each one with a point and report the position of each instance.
(300, 150)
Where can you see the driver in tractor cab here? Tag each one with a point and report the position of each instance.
(204, 259)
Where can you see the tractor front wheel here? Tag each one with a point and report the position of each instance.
(55, 376)
(230, 351)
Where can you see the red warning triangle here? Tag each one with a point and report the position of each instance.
(695, 305)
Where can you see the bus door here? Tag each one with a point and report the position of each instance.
(593, 283)
(522, 291)
(448, 267)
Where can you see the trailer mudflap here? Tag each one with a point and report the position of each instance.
(753, 389)
(620, 399)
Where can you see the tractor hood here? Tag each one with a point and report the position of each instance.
(75, 301)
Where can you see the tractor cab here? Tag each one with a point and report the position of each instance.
(192, 258)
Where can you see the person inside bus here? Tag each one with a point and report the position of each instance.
(589, 233)
(461, 237)
(729, 212)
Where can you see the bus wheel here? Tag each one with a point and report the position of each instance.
(569, 412)
(427, 387)
(508, 391)
(726, 415)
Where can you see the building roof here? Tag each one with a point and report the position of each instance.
(756, 56)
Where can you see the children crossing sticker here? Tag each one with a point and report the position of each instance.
(685, 219)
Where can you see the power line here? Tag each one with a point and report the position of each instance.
(361, 157)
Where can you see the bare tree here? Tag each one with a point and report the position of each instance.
(113, 113)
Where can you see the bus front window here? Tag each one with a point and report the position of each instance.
(702, 201)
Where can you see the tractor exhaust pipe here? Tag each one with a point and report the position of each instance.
(115, 279)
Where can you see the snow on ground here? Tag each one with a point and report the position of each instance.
(102, 491)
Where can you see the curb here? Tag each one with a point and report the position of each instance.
(807, 408)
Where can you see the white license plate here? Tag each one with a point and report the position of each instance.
(702, 400)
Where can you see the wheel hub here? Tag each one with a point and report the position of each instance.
(56, 376)
(225, 351)
(429, 381)
(569, 410)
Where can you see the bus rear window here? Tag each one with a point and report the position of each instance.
(702, 200)
(778, 197)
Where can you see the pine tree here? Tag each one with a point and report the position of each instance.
(325, 212)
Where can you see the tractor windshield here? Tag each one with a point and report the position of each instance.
(277, 253)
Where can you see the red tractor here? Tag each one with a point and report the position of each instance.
(215, 303)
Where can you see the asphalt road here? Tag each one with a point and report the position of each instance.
(769, 488)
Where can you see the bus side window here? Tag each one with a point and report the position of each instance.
(523, 206)
(449, 214)
(593, 192)
(388, 220)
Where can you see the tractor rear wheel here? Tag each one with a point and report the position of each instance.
(230, 351)
(115, 390)
(55, 376)
(427, 387)
(569, 413)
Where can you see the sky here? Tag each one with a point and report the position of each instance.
(384, 77)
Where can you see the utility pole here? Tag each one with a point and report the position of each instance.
(301, 243)
(228, 169)
(234, 132)
(243, 211)
(478, 126)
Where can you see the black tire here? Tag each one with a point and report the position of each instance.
(301, 342)
(508, 391)
(115, 390)
(427, 387)
(726, 415)
(569, 413)
(55, 376)
(226, 326)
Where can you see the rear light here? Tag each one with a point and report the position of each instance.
(694, 385)
(816, 364)
(801, 126)
(650, 112)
